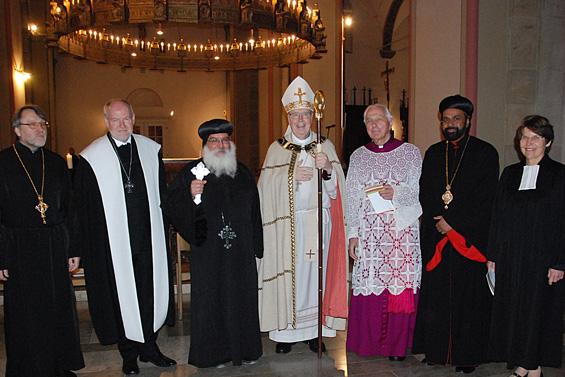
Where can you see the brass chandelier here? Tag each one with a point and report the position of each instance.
(214, 35)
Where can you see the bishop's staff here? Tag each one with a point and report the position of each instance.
(319, 106)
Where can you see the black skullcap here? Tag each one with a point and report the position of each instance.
(456, 102)
(214, 126)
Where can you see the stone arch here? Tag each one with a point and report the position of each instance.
(144, 97)
(386, 51)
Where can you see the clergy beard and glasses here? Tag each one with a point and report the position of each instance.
(214, 204)
(457, 186)
(382, 214)
(527, 254)
(119, 183)
(41, 326)
(288, 273)
(222, 161)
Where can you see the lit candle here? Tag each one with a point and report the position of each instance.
(69, 161)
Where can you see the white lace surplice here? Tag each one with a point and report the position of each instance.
(389, 243)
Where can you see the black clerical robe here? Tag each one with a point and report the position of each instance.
(39, 304)
(527, 238)
(226, 235)
(455, 301)
(91, 235)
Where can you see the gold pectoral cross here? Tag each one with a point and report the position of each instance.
(42, 207)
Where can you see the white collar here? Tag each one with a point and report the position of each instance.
(297, 140)
(119, 143)
(529, 177)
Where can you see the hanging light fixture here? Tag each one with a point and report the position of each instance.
(103, 31)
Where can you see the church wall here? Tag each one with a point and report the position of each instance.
(521, 70)
(436, 72)
(83, 87)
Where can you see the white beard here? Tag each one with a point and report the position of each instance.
(220, 165)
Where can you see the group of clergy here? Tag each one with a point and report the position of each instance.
(422, 233)
(429, 237)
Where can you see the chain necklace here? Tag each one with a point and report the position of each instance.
(447, 196)
(128, 186)
(41, 206)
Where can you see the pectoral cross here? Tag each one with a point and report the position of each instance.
(386, 74)
(300, 93)
(42, 207)
(227, 234)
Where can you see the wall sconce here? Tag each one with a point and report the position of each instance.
(21, 76)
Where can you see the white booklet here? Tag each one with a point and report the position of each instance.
(491, 280)
(379, 204)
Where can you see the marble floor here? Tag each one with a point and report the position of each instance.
(104, 361)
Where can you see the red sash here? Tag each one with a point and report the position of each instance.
(458, 242)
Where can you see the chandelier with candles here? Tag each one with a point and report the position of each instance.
(215, 35)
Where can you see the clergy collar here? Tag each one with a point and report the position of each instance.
(296, 140)
(119, 143)
(391, 144)
(25, 148)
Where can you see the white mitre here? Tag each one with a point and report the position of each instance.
(298, 95)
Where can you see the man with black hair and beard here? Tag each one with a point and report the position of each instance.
(457, 187)
(214, 205)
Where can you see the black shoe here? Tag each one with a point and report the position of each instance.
(465, 370)
(313, 345)
(425, 361)
(130, 367)
(397, 358)
(159, 360)
(66, 373)
(283, 347)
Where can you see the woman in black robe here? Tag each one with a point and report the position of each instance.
(527, 251)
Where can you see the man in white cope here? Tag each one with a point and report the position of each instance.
(288, 272)
(384, 240)
(120, 232)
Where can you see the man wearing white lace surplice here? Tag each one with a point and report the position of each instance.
(382, 213)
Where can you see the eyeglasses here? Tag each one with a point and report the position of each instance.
(304, 115)
(457, 119)
(36, 125)
(536, 139)
(116, 121)
(213, 140)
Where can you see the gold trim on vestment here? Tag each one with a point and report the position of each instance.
(310, 147)
(274, 166)
(292, 230)
(276, 276)
(277, 219)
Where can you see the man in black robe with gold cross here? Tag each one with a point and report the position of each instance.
(119, 186)
(214, 204)
(42, 337)
(457, 188)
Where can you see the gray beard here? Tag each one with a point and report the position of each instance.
(220, 165)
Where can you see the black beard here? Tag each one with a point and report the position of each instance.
(455, 135)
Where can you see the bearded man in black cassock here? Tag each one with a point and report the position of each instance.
(457, 187)
(41, 326)
(214, 204)
(119, 185)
